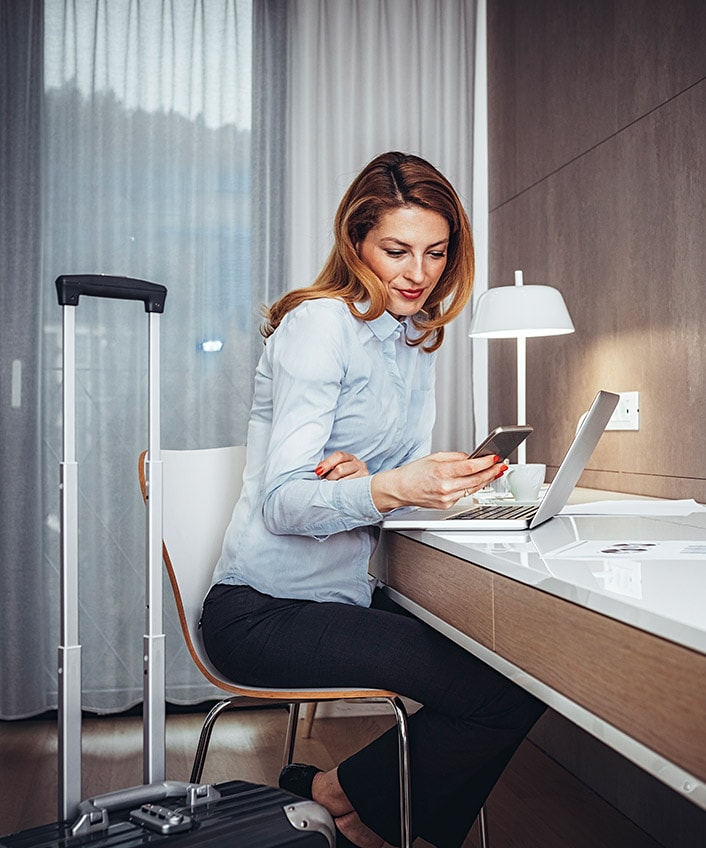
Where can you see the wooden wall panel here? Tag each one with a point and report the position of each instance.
(610, 208)
(551, 90)
(659, 53)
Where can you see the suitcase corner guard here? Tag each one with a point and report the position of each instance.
(308, 815)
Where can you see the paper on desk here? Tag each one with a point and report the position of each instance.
(628, 507)
(634, 551)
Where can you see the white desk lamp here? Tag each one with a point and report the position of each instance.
(519, 312)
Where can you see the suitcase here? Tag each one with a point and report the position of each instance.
(70, 288)
(180, 815)
(162, 812)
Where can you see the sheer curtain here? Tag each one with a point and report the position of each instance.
(25, 647)
(128, 146)
(365, 78)
(143, 168)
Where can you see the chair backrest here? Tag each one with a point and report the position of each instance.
(200, 488)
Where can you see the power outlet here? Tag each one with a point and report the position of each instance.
(627, 413)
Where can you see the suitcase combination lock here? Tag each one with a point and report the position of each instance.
(161, 819)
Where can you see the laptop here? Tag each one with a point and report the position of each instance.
(520, 516)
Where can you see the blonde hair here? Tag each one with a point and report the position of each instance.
(390, 181)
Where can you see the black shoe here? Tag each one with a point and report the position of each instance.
(298, 778)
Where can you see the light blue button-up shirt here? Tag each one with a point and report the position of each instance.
(326, 381)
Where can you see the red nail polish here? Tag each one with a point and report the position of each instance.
(318, 471)
(496, 459)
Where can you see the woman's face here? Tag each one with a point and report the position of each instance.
(407, 250)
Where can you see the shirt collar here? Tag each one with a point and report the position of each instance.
(385, 326)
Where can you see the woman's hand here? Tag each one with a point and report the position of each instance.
(436, 481)
(341, 466)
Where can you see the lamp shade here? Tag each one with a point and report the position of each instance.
(508, 312)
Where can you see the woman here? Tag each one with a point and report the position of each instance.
(339, 435)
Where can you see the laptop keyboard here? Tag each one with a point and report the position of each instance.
(493, 511)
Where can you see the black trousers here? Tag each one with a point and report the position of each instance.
(471, 722)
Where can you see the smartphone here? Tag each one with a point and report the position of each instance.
(502, 441)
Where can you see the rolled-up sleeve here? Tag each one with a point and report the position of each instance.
(320, 508)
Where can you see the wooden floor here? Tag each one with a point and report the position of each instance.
(536, 803)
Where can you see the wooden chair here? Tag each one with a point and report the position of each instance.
(200, 489)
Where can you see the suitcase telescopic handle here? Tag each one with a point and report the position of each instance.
(69, 287)
(93, 812)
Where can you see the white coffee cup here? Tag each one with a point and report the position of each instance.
(525, 481)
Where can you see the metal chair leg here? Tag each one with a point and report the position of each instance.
(405, 783)
(483, 833)
(291, 737)
(309, 720)
(290, 741)
(205, 737)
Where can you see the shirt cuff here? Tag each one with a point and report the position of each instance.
(354, 497)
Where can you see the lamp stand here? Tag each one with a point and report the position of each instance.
(521, 382)
(521, 393)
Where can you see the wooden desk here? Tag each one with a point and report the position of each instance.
(627, 664)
